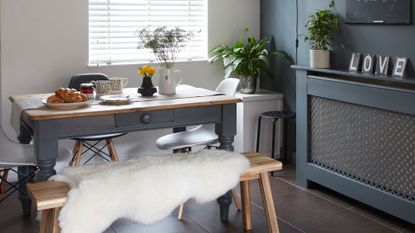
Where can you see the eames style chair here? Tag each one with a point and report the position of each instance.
(92, 143)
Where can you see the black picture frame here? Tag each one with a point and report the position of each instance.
(395, 12)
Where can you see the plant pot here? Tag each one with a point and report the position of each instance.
(247, 85)
(319, 59)
(147, 88)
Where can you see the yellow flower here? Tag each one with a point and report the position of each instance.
(142, 70)
(151, 70)
(147, 70)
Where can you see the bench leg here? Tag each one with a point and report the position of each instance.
(268, 203)
(49, 221)
(246, 206)
(235, 199)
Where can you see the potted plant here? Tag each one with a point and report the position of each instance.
(246, 59)
(320, 26)
(166, 44)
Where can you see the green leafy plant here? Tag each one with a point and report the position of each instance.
(320, 26)
(165, 43)
(245, 58)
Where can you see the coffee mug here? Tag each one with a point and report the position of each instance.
(168, 81)
(117, 84)
(102, 87)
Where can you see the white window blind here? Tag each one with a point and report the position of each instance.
(113, 25)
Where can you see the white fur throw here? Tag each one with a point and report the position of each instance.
(146, 189)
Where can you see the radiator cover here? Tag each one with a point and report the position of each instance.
(372, 146)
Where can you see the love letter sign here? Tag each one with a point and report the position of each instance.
(380, 65)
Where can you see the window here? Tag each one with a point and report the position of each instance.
(113, 25)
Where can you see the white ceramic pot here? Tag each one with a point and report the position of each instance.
(319, 59)
(168, 81)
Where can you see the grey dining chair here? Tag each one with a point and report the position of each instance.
(85, 144)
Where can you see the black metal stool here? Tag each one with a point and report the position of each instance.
(275, 116)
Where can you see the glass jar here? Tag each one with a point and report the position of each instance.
(88, 89)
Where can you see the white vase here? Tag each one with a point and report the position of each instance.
(319, 59)
(169, 79)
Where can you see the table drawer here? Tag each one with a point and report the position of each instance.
(143, 118)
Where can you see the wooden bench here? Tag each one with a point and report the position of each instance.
(259, 169)
(50, 196)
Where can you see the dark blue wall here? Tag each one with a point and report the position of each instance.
(278, 19)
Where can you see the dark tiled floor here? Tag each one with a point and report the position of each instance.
(317, 210)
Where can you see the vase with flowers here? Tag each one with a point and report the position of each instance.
(147, 88)
(166, 44)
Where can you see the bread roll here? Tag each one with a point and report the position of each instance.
(69, 95)
(53, 99)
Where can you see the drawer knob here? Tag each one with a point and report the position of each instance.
(146, 118)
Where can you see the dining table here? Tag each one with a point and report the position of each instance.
(44, 126)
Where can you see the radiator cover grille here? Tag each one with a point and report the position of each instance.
(372, 146)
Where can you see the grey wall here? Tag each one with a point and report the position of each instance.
(278, 19)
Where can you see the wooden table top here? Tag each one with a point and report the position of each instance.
(45, 113)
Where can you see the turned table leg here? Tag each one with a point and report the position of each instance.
(46, 148)
(226, 130)
(25, 137)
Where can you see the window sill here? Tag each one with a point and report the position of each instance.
(146, 63)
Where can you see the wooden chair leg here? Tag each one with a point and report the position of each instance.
(49, 222)
(74, 152)
(268, 203)
(246, 205)
(180, 213)
(3, 183)
(236, 200)
(111, 150)
(76, 159)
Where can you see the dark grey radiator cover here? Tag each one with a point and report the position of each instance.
(355, 135)
(369, 145)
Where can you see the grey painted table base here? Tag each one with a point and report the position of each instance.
(46, 134)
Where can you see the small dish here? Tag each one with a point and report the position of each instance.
(66, 106)
(117, 99)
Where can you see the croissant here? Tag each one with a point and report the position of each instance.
(72, 97)
(53, 99)
(84, 97)
(69, 95)
(60, 92)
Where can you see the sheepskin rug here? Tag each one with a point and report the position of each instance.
(146, 189)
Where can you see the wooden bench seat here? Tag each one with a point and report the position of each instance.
(50, 196)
